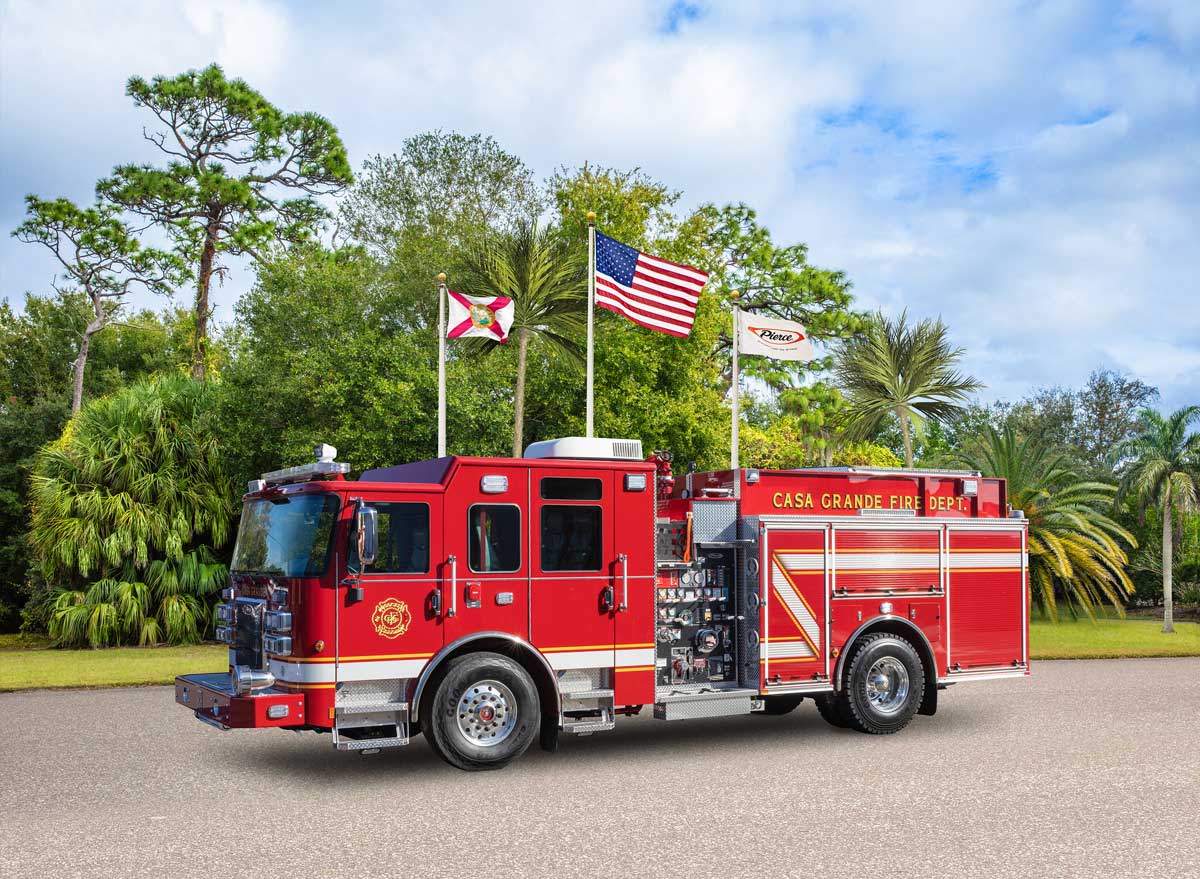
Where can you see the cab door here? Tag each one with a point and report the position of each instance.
(394, 628)
(576, 574)
(485, 564)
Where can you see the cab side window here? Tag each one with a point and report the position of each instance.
(572, 533)
(403, 539)
(494, 538)
(571, 538)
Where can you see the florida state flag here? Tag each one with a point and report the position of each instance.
(479, 316)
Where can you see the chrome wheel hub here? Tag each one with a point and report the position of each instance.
(887, 685)
(487, 713)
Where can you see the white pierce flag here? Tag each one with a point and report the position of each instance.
(770, 337)
(764, 337)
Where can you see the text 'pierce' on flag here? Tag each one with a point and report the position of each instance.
(487, 316)
(653, 292)
(769, 337)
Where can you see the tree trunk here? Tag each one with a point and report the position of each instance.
(204, 281)
(1168, 552)
(904, 432)
(80, 364)
(519, 394)
(99, 322)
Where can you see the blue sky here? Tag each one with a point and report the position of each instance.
(1030, 171)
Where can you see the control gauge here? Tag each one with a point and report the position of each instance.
(698, 578)
(685, 578)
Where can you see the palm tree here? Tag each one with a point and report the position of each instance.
(1073, 543)
(1161, 467)
(125, 507)
(895, 368)
(546, 283)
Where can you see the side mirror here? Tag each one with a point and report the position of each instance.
(366, 533)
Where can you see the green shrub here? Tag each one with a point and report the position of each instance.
(127, 508)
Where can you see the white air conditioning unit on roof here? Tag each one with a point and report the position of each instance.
(587, 448)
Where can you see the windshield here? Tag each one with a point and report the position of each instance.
(289, 537)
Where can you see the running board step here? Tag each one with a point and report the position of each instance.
(705, 703)
(590, 725)
(371, 744)
(399, 709)
(581, 695)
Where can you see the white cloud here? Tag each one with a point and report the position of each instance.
(1025, 170)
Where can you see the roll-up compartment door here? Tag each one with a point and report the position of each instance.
(987, 607)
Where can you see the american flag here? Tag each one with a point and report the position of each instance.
(653, 292)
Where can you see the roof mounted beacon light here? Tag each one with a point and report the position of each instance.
(325, 465)
(588, 448)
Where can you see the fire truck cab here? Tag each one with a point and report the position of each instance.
(486, 602)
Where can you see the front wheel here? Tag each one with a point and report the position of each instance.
(485, 712)
(885, 683)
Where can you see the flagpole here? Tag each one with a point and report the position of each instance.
(591, 316)
(733, 445)
(441, 446)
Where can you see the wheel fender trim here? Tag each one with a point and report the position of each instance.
(919, 636)
(443, 654)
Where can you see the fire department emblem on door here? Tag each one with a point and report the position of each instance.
(391, 618)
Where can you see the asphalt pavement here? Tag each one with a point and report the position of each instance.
(1085, 769)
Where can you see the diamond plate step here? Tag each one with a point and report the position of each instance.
(398, 708)
(705, 703)
(587, 726)
(370, 744)
(576, 695)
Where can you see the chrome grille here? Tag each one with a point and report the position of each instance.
(248, 632)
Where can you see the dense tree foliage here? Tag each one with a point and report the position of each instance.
(321, 353)
(442, 187)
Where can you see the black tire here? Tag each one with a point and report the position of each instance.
(884, 685)
(776, 706)
(484, 713)
(829, 706)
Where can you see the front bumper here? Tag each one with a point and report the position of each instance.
(211, 697)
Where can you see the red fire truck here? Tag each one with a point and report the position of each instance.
(487, 601)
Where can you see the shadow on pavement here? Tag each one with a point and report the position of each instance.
(314, 759)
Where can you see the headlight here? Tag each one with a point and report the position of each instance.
(278, 645)
(225, 613)
(225, 634)
(278, 621)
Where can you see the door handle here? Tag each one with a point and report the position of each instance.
(453, 611)
(435, 601)
(606, 599)
(473, 593)
(624, 560)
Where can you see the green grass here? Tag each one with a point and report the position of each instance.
(28, 663)
(23, 667)
(1111, 639)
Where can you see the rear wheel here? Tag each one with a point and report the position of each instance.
(484, 713)
(885, 682)
(830, 708)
